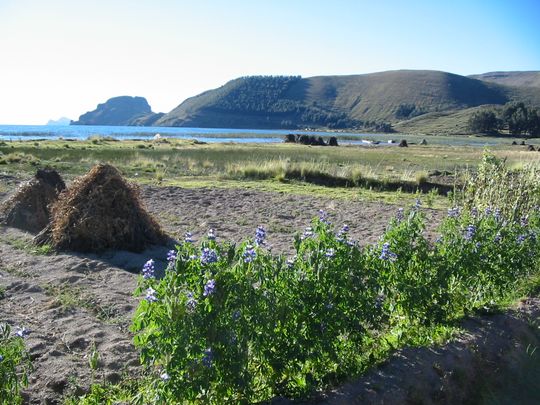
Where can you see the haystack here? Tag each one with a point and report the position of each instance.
(28, 208)
(101, 211)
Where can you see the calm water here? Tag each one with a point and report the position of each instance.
(32, 132)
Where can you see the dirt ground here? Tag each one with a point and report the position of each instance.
(74, 303)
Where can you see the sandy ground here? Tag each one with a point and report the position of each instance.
(72, 302)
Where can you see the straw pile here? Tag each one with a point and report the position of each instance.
(28, 208)
(101, 211)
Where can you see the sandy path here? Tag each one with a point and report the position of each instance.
(235, 214)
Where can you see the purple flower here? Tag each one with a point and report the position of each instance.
(148, 269)
(379, 301)
(524, 221)
(208, 256)
(497, 214)
(191, 302)
(488, 211)
(171, 256)
(521, 238)
(417, 204)
(188, 237)
(399, 215)
(453, 212)
(22, 332)
(497, 238)
(260, 235)
(211, 234)
(386, 253)
(249, 254)
(341, 236)
(474, 212)
(290, 262)
(207, 358)
(150, 295)
(323, 217)
(308, 232)
(164, 376)
(470, 232)
(209, 287)
(330, 253)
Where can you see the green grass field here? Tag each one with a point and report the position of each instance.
(279, 167)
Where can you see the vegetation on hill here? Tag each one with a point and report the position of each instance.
(376, 101)
(516, 118)
(257, 101)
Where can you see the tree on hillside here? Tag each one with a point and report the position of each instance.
(533, 123)
(485, 122)
(515, 116)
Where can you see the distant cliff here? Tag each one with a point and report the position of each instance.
(123, 110)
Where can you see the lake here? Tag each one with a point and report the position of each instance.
(32, 132)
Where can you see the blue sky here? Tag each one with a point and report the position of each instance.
(62, 58)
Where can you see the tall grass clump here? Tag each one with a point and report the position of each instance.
(496, 185)
(321, 173)
(14, 364)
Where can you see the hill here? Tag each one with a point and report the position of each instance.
(519, 79)
(123, 110)
(369, 101)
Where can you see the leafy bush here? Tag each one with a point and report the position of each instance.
(14, 365)
(237, 324)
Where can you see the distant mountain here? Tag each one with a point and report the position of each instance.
(59, 121)
(123, 110)
(356, 101)
(520, 79)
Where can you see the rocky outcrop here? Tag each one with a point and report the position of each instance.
(123, 110)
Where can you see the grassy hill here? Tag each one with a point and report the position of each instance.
(520, 79)
(356, 101)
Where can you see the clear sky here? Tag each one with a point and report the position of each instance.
(63, 57)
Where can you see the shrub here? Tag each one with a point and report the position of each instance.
(234, 324)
